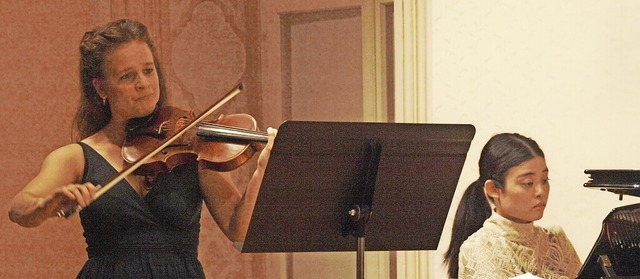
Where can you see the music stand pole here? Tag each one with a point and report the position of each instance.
(361, 212)
(360, 258)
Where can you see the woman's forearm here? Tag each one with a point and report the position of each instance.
(26, 210)
(243, 212)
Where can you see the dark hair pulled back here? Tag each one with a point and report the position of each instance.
(501, 153)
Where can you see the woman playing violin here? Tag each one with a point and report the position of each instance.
(135, 230)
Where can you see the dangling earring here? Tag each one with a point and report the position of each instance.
(104, 101)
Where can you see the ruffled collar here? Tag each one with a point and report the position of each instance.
(520, 232)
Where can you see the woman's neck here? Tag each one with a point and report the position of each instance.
(113, 133)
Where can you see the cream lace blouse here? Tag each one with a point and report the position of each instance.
(505, 249)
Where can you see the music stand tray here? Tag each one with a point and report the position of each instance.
(326, 180)
(618, 181)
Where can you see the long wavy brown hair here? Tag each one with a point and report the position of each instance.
(93, 114)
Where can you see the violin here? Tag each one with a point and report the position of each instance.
(222, 144)
(166, 139)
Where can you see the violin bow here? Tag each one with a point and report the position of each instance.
(131, 168)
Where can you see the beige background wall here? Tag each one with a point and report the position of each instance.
(563, 72)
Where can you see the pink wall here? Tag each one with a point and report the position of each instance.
(38, 65)
(206, 47)
(203, 50)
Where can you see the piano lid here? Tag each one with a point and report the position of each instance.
(619, 242)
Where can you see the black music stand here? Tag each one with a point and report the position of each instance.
(327, 182)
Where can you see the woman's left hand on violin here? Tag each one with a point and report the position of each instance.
(266, 151)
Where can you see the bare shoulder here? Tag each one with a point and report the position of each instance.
(68, 154)
(66, 162)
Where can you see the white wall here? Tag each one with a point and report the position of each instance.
(566, 73)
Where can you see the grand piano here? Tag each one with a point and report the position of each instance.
(616, 253)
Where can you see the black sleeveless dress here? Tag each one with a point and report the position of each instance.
(132, 237)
